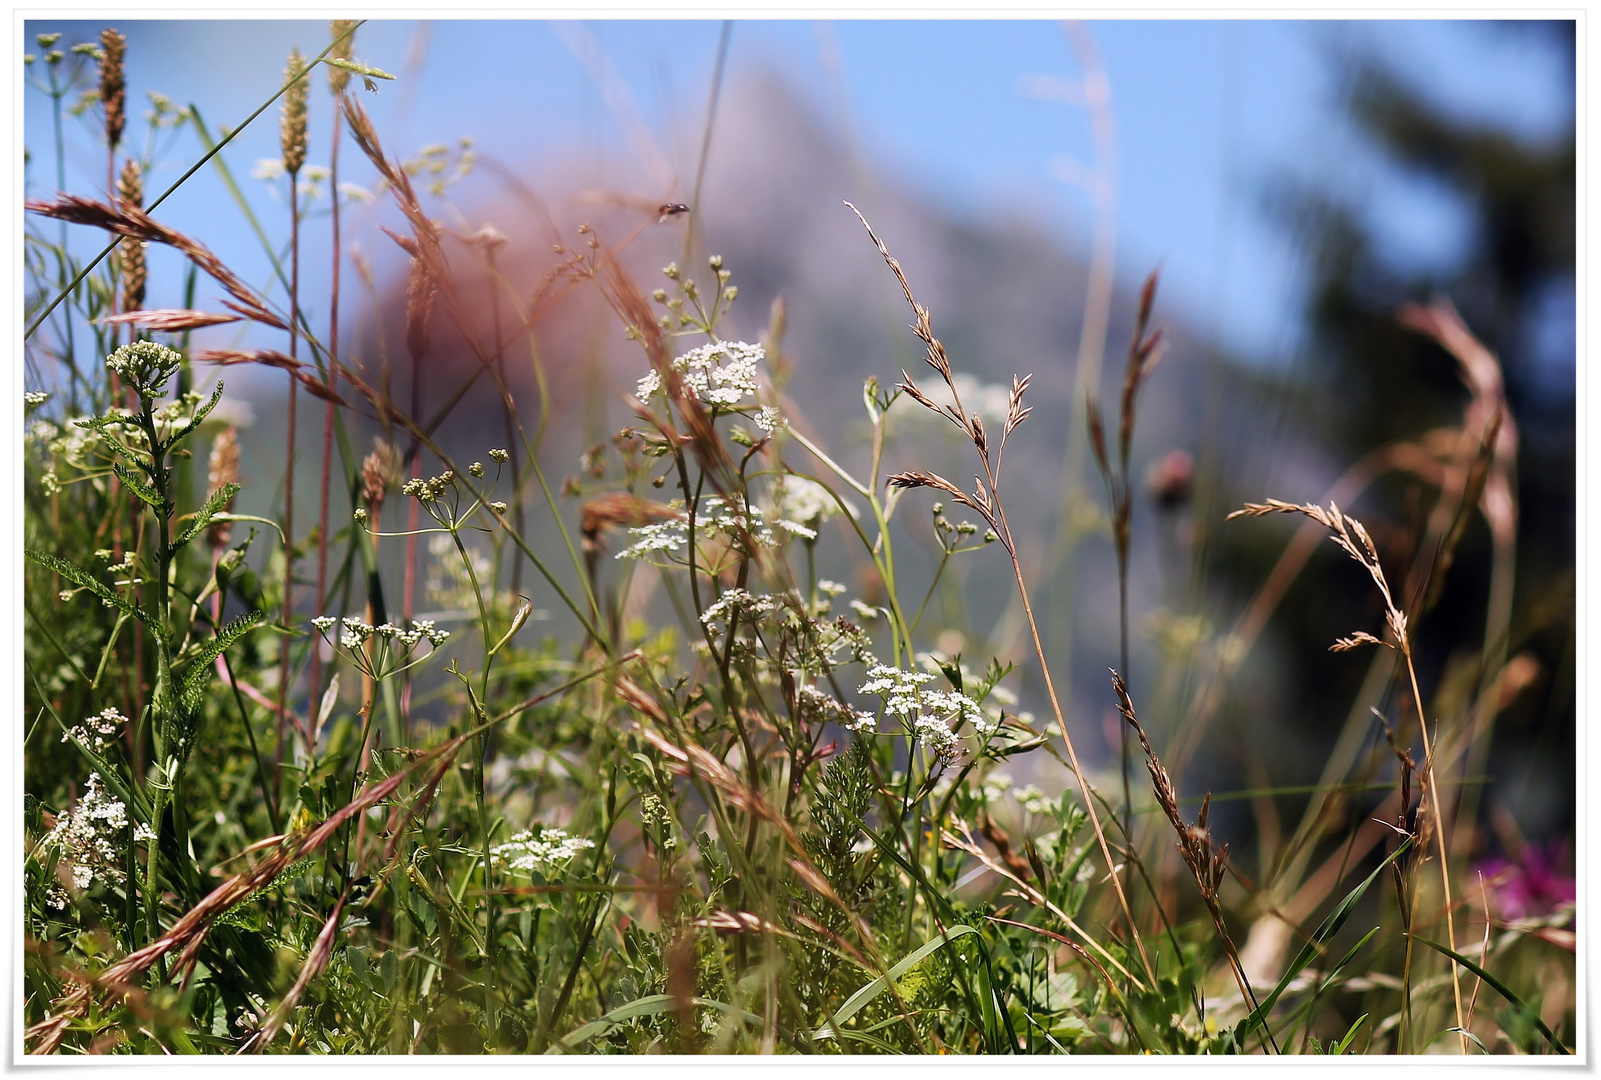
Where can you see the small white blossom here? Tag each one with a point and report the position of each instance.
(97, 731)
(92, 836)
(899, 689)
(940, 739)
(267, 168)
(714, 518)
(720, 373)
(648, 386)
(736, 602)
(543, 849)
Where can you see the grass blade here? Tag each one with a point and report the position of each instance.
(1499, 987)
(1312, 949)
(859, 1000)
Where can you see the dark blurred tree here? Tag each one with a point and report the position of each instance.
(1370, 382)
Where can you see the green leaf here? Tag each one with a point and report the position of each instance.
(139, 487)
(193, 689)
(859, 1000)
(645, 1006)
(200, 415)
(1499, 987)
(85, 580)
(1312, 949)
(1345, 1044)
(214, 506)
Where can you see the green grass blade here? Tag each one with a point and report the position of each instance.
(1312, 949)
(1345, 1044)
(1499, 987)
(859, 1000)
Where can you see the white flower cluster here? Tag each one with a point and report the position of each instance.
(713, 518)
(97, 731)
(32, 398)
(91, 836)
(727, 384)
(541, 849)
(929, 712)
(899, 689)
(799, 504)
(355, 632)
(145, 366)
(737, 603)
(940, 739)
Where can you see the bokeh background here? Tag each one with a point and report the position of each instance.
(1294, 182)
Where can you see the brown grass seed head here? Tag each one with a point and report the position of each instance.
(292, 126)
(131, 252)
(344, 35)
(113, 83)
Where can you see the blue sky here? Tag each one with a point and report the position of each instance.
(1205, 113)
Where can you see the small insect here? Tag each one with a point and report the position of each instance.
(671, 209)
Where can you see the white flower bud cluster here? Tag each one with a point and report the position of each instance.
(542, 849)
(98, 731)
(822, 707)
(899, 689)
(431, 490)
(145, 366)
(355, 632)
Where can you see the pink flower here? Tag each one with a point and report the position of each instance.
(1533, 885)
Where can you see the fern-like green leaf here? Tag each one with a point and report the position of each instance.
(193, 689)
(214, 506)
(200, 415)
(139, 487)
(85, 580)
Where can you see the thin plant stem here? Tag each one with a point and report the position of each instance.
(328, 418)
(1439, 835)
(289, 480)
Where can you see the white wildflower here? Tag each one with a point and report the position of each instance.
(92, 836)
(648, 386)
(541, 848)
(97, 731)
